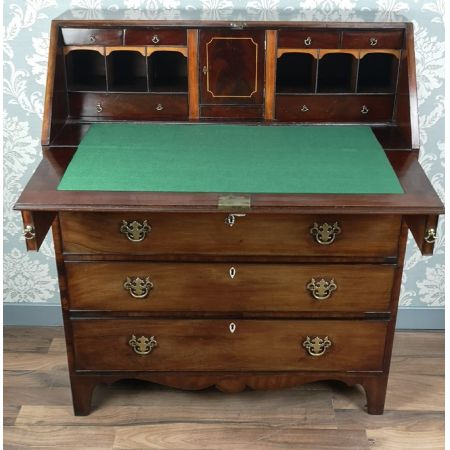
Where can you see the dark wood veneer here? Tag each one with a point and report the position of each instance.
(190, 250)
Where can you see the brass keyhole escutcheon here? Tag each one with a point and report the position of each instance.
(321, 289)
(326, 233)
(316, 346)
(138, 287)
(231, 219)
(232, 272)
(142, 345)
(135, 231)
(232, 327)
(430, 236)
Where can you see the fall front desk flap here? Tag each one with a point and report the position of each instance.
(231, 158)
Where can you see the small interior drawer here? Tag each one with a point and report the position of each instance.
(129, 106)
(372, 39)
(92, 36)
(308, 39)
(155, 36)
(349, 108)
(192, 345)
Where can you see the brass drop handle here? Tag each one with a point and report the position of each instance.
(92, 38)
(99, 107)
(135, 231)
(326, 233)
(316, 346)
(304, 108)
(29, 232)
(308, 41)
(321, 289)
(138, 287)
(364, 109)
(155, 39)
(159, 107)
(373, 41)
(142, 345)
(205, 70)
(430, 236)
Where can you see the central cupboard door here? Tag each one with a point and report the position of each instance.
(232, 66)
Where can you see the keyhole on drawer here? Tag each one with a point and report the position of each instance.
(232, 272)
(232, 327)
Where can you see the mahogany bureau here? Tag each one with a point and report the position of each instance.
(258, 290)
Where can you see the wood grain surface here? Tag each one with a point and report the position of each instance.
(134, 414)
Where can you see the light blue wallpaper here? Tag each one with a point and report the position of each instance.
(31, 277)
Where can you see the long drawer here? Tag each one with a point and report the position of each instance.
(210, 345)
(223, 234)
(348, 108)
(144, 286)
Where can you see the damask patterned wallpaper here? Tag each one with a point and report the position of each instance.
(30, 278)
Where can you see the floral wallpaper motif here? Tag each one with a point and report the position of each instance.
(31, 277)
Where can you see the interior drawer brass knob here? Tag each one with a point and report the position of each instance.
(142, 345)
(92, 38)
(155, 39)
(159, 107)
(322, 289)
(308, 41)
(135, 231)
(138, 287)
(373, 41)
(326, 233)
(316, 346)
(364, 109)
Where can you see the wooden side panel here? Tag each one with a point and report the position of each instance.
(193, 87)
(271, 63)
(55, 102)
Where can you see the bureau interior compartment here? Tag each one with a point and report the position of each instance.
(296, 72)
(167, 71)
(377, 72)
(86, 70)
(337, 72)
(127, 70)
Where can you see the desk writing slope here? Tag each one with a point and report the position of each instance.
(231, 158)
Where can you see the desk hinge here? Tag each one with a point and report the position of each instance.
(234, 203)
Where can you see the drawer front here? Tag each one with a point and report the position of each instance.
(92, 36)
(154, 36)
(308, 39)
(322, 108)
(212, 234)
(237, 287)
(209, 345)
(129, 106)
(372, 39)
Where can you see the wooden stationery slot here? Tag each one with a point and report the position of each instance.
(167, 71)
(127, 70)
(377, 72)
(86, 70)
(296, 72)
(336, 72)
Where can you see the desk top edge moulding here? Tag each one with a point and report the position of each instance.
(229, 199)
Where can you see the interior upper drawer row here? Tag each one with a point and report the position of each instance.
(224, 234)
(286, 37)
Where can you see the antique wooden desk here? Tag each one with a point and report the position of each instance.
(192, 287)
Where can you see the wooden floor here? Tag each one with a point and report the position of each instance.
(130, 415)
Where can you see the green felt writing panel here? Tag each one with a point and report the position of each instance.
(231, 158)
